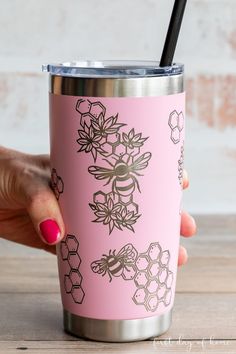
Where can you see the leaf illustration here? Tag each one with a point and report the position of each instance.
(117, 225)
(137, 137)
(130, 227)
(131, 134)
(94, 153)
(92, 206)
(111, 226)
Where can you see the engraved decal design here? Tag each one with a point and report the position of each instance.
(121, 152)
(69, 251)
(176, 123)
(181, 166)
(149, 272)
(57, 183)
(116, 265)
(153, 278)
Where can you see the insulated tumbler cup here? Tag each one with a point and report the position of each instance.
(117, 146)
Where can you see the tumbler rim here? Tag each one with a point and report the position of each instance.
(112, 69)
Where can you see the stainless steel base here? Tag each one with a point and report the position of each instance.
(117, 330)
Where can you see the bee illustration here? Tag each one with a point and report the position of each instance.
(122, 173)
(115, 264)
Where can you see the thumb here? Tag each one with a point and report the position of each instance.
(46, 217)
(42, 206)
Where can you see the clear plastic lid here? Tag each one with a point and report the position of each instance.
(112, 69)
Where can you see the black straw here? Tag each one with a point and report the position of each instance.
(173, 33)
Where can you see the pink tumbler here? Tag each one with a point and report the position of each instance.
(117, 145)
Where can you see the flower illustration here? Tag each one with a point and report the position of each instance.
(89, 141)
(107, 213)
(133, 140)
(127, 219)
(103, 127)
(102, 135)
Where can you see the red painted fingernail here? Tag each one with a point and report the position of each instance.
(50, 231)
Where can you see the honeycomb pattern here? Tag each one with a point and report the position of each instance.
(101, 135)
(87, 108)
(149, 272)
(181, 165)
(176, 123)
(153, 278)
(118, 200)
(69, 249)
(118, 149)
(56, 183)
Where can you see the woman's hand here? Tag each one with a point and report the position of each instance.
(29, 211)
(188, 226)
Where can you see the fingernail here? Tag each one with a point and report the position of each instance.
(193, 221)
(185, 179)
(185, 256)
(50, 231)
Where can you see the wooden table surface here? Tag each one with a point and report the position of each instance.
(204, 318)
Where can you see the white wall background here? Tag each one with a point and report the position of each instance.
(35, 32)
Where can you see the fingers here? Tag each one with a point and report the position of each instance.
(188, 226)
(45, 214)
(183, 256)
(16, 226)
(185, 180)
(33, 192)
